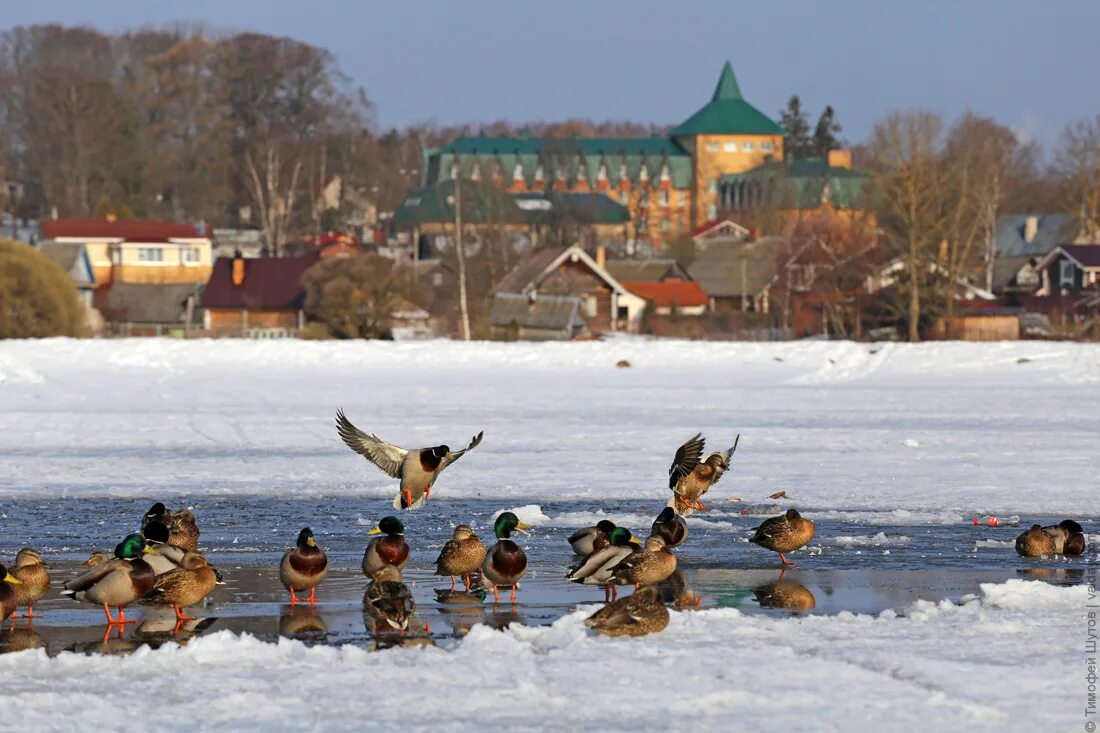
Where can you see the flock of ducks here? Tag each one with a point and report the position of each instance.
(162, 566)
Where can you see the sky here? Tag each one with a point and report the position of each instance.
(1031, 66)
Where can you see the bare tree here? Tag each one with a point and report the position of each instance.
(1077, 162)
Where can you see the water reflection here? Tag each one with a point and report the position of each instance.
(167, 628)
(502, 615)
(1054, 576)
(460, 609)
(676, 591)
(19, 638)
(785, 593)
(300, 620)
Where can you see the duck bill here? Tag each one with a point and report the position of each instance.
(9, 578)
(376, 530)
(522, 528)
(635, 540)
(147, 550)
(311, 542)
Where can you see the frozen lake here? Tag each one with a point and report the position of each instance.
(891, 449)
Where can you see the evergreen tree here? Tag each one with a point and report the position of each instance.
(797, 143)
(825, 133)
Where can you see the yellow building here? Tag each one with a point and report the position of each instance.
(138, 251)
(668, 184)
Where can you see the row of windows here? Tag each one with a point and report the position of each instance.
(188, 255)
(746, 147)
(663, 198)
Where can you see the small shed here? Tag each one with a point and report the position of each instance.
(536, 317)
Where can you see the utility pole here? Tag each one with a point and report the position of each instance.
(461, 252)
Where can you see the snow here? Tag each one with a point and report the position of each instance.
(1004, 660)
(877, 540)
(827, 423)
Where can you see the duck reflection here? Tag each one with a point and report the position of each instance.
(168, 628)
(18, 639)
(1055, 576)
(500, 619)
(785, 593)
(676, 592)
(299, 620)
(460, 609)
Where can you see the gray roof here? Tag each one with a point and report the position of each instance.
(545, 312)
(645, 271)
(1051, 230)
(527, 271)
(69, 255)
(145, 303)
(723, 266)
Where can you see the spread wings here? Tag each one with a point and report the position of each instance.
(687, 458)
(387, 457)
(474, 443)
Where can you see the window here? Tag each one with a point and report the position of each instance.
(1067, 273)
(712, 211)
(767, 146)
(712, 185)
(663, 198)
(748, 147)
(150, 254)
(713, 147)
(591, 306)
(190, 255)
(731, 147)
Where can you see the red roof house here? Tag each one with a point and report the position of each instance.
(687, 297)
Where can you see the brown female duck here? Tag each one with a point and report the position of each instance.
(690, 477)
(652, 565)
(638, 614)
(185, 585)
(34, 581)
(461, 555)
(785, 533)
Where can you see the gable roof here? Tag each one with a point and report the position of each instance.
(73, 259)
(1087, 256)
(727, 113)
(545, 312)
(270, 283)
(670, 293)
(715, 227)
(733, 269)
(533, 269)
(1050, 230)
(145, 302)
(652, 270)
(127, 230)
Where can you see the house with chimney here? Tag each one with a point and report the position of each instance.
(261, 297)
(566, 292)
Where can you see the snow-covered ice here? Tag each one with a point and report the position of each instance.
(883, 435)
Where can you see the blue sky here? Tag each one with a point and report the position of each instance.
(1030, 65)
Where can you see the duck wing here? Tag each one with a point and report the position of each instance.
(387, 457)
(474, 443)
(94, 575)
(687, 458)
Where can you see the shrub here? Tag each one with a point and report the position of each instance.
(37, 297)
(352, 296)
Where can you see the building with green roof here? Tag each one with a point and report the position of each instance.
(668, 185)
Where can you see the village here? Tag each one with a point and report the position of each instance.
(728, 225)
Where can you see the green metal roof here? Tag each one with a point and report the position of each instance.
(572, 158)
(802, 183)
(482, 203)
(727, 113)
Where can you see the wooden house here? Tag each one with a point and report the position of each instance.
(261, 297)
(1069, 269)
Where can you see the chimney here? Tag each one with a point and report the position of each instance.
(1031, 228)
(840, 158)
(601, 257)
(238, 270)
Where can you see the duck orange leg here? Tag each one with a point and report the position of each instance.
(179, 615)
(30, 612)
(312, 595)
(785, 561)
(513, 599)
(408, 497)
(427, 493)
(453, 583)
(699, 506)
(293, 598)
(122, 620)
(496, 593)
(466, 579)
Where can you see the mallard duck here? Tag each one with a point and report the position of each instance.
(34, 581)
(597, 568)
(389, 550)
(304, 566)
(1069, 537)
(96, 558)
(417, 468)
(670, 527)
(182, 530)
(184, 586)
(117, 582)
(785, 533)
(1036, 542)
(157, 513)
(638, 614)
(461, 555)
(785, 594)
(9, 597)
(587, 540)
(168, 557)
(505, 562)
(690, 477)
(387, 599)
(652, 565)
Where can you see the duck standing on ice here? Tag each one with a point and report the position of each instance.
(416, 468)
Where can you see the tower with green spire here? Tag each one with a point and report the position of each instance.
(726, 135)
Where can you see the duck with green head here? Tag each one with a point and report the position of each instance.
(9, 599)
(390, 549)
(598, 568)
(304, 566)
(505, 562)
(118, 582)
